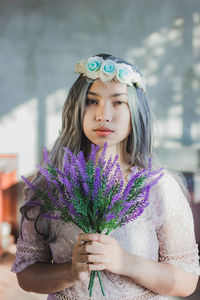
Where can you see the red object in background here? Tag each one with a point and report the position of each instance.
(8, 192)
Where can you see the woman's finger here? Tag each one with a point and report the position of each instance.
(85, 237)
(92, 259)
(105, 239)
(98, 267)
(91, 247)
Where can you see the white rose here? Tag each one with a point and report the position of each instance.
(80, 67)
(124, 74)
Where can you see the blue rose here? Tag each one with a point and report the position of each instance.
(109, 67)
(125, 74)
(94, 63)
(93, 66)
(108, 70)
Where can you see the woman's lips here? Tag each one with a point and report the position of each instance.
(103, 132)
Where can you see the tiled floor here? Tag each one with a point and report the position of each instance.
(9, 289)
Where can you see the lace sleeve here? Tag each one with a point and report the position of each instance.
(30, 247)
(176, 230)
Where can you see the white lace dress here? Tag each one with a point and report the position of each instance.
(164, 232)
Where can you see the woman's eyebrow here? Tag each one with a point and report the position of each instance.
(111, 96)
(92, 93)
(118, 94)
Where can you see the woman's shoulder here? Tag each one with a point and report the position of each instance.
(173, 181)
(171, 192)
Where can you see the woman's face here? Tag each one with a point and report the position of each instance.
(107, 115)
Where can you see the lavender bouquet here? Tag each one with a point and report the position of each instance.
(92, 194)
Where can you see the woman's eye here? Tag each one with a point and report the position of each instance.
(120, 102)
(91, 101)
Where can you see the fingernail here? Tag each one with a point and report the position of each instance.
(94, 237)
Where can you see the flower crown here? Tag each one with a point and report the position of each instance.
(96, 67)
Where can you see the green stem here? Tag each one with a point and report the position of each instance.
(89, 286)
(92, 283)
(102, 289)
(93, 274)
(108, 231)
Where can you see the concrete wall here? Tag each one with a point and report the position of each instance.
(41, 40)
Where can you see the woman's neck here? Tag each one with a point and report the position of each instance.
(120, 150)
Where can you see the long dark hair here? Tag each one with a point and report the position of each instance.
(139, 143)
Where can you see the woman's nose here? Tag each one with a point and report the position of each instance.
(104, 113)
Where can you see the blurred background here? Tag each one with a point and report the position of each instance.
(40, 43)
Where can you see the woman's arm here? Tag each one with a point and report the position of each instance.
(159, 277)
(45, 278)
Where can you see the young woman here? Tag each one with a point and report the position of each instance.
(150, 258)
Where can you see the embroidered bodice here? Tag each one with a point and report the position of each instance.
(164, 233)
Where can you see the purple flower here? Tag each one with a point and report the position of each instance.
(86, 188)
(44, 172)
(143, 201)
(93, 153)
(72, 211)
(70, 158)
(91, 193)
(34, 203)
(67, 186)
(58, 172)
(94, 189)
(30, 185)
(115, 178)
(60, 190)
(128, 187)
(81, 164)
(115, 198)
(66, 164)
(53, 199)
(74, 176)
(46, 156)
(107, 168)
(101, 159)
(97, 182)
(54, 217)
(110, 217)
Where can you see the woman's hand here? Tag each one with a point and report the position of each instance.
(97, 252)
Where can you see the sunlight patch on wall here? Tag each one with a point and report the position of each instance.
(54, 104)
(174, 127)
(177, 97)
(177, 83)
(196, 34)
(175, 111)
(155, 39)
(168, 132)
(153, 52)
(179, 22)
(195, 133)
(196, 69)
(152, 80)
(18, 131)
(168, 69)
